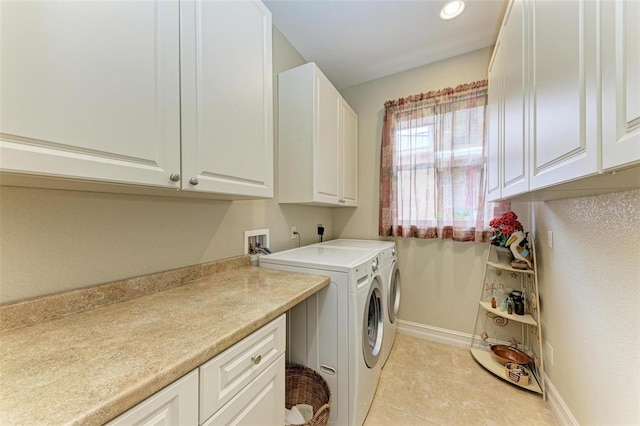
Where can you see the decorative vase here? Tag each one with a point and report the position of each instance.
(504, 255)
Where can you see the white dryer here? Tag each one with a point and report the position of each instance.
(391, 283)
(339, 330)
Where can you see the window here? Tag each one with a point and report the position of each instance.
(432, 165)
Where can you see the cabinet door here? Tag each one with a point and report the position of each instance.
(227, 119)
(90, 90)
(620, 83)
(496, 116)
(327, 142)
(349, 178)
(260, 403)
(177, 404)
(564, 105)
(515, 142)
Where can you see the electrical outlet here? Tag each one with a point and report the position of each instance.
(548, 352)
(293, 233)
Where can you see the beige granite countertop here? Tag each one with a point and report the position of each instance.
(88, 367)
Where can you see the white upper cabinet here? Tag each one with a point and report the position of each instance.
(515, 139)
(349, 158)
(620, 83)
(564, 100)
(318, 141)
(327, 167)
(90, 90)
(508, 141)
(564, 116)
(495, 113)
(161, 94)
(227, 119)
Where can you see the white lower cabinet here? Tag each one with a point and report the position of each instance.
(234, 382)
(259, 403)
(243, 385)
(177, 404)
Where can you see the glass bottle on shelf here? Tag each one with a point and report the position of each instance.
(501, 297)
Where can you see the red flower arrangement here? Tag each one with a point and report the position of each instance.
(503, 227)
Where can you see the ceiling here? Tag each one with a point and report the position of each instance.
(353, 41)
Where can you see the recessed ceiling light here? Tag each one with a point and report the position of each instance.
(452, 9)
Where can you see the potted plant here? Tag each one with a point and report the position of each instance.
(503, 227)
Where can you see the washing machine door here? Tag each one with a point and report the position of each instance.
(373, 324)
(393, 301)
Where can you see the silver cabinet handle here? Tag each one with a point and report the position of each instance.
(193, 181)
(175, 177)
(256, 359)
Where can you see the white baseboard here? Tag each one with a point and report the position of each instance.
(436, 334)
(560, 409)
(456, 338)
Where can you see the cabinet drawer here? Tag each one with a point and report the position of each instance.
(260, 403)
(229, 372)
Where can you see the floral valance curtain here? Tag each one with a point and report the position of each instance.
(432, 182)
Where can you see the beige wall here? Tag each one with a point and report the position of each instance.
(590, 291)
(60, 240)
(589, 280)
(440, 279)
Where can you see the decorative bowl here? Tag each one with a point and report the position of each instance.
(505, 354)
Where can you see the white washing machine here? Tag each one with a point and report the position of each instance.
(391, 283)
(339, 330)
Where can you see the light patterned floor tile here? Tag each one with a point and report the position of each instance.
(419, 394)
(426, 383)
(383, 415)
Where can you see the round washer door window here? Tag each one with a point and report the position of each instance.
(394, 294)
(372, 325)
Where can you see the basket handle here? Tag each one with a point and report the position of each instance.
(325, 407)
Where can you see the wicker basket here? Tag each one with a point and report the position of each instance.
(304, 386)
(518, 373)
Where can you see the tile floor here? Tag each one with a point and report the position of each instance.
(426, 383)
